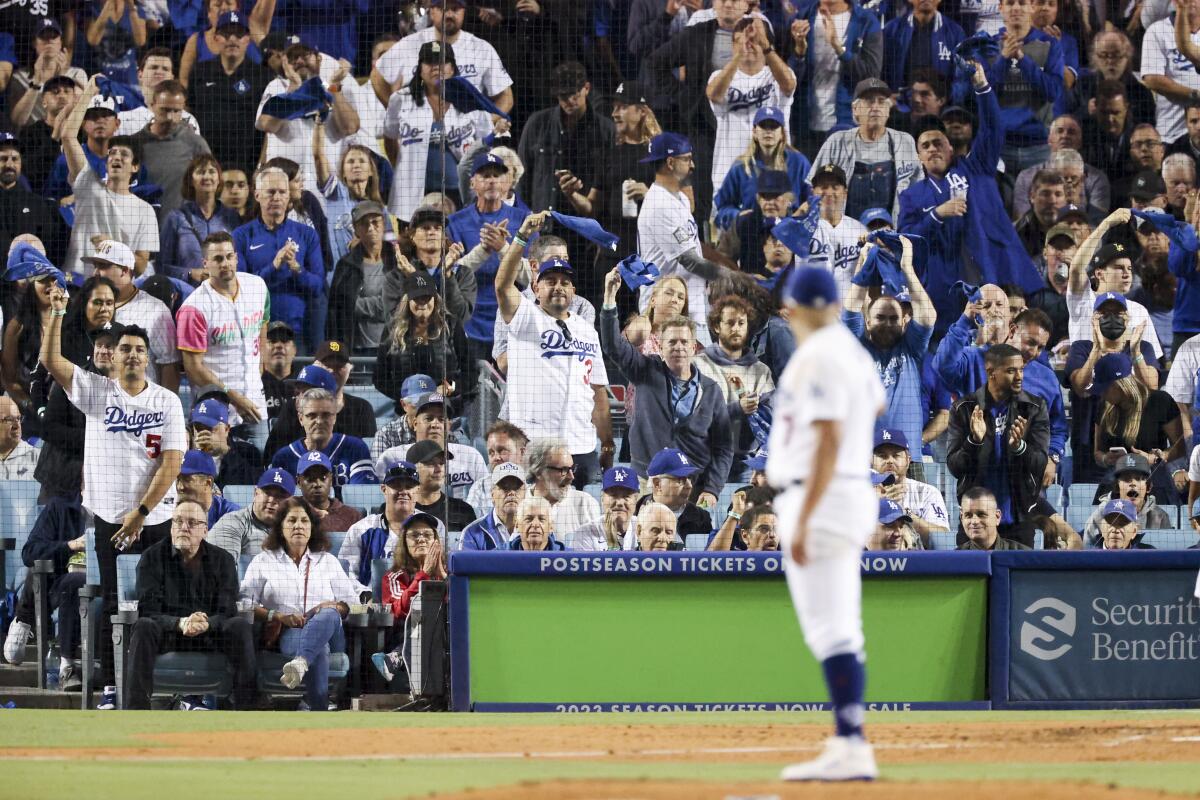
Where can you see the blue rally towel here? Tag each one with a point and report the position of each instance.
(310, 98)
(124, 97)
(1180, 233)
(463, 95)
(637, 273)
(588, 229)
(883, 261)
(760, 420)
(25, 261)
(980, 47)
(796, 232)
(187, 16)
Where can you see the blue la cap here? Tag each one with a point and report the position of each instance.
(886, 478)
(620, 478)
(812, 287)
(1123, 507)
(314, 376)
(210, 413)
(232, 19)
(769, 114)
(489, 160)
(666, 145)
(1109, 297)
(555, 264)
(773, 181)
(5, 136)
(47, 24)
(415, 386)
(401, 470)
(276, 478)
(1109, 369)
(876, 215)
(313, 458)
(892, 437)
(670, 461)
(197, 462)
(890, 511)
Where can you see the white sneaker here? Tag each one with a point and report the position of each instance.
(293, 672)
(19, 634)
(843, 759)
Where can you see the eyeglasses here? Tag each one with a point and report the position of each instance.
(1145, 144)
(1109, 55)
(10, 420)
(187, 524)
(561, 470)
(420, 536)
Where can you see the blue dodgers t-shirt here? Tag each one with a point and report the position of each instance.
(900, 371)
(464, 227)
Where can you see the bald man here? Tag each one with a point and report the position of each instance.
(535, 527)
(656, 528)
(18, 458)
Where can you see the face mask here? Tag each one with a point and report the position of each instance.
(1112, 326)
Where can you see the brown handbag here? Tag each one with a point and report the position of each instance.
(273, 628)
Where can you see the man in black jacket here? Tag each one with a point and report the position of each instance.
(22, 211)
(999, 439)
(187, 600)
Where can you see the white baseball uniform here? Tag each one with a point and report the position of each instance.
(830, 377)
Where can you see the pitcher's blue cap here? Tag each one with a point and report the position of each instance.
(276, 478)
(811, 287)
(197, 462)
(666, 145)
(769, 114)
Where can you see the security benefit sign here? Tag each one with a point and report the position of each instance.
(1104, 635)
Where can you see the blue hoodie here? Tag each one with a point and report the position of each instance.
(897, 37)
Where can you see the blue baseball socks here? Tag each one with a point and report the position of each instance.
(846, 678)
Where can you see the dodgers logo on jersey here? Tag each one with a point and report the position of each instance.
(958, 182)
(737, 100)
(410, 134)
(242, 86)
(118, 420)
(554, 343)
(943, 53)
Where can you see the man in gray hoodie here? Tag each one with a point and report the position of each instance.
(677, 407)
(735, 368)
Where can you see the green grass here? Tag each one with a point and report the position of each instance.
(376, 779)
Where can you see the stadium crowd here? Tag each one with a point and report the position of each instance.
(550, 239)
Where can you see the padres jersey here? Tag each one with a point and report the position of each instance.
(829, 377)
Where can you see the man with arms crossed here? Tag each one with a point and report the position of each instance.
(826, 404)
(132, 452)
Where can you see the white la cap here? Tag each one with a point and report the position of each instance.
(113, 252)
(507, 470)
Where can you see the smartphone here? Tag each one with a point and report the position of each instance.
(1117, 451)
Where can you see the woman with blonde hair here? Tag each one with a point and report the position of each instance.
(357, 179)
(768, 149)
(422, 339)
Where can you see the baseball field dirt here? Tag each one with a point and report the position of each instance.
(923, 756)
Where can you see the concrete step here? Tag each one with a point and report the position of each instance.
(22, 676)
(26, 697)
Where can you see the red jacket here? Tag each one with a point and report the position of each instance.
(399, 589)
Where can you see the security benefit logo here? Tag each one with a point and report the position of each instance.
(1055, 623)
(1105, 635)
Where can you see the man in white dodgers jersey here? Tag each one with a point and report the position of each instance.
(132, 452)
(826, 404)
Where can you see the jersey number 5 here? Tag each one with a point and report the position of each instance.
(153, 445)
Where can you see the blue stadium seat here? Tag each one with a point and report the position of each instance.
(242, 495)
(454, 541)
(594, 489)
(1173, 514)
(379, 568)
(1056, 497)
(1172, 539)
(18, 510)
(363, 496)
(942, 540)
(1039, 540)
(695, 541)
(936, 475)
(335, 541)
(384, 407)
(1079, 504)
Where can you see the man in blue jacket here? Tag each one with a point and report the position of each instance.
(921, 39)
(495, 530)
(957, 208)
(287, 255)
